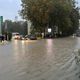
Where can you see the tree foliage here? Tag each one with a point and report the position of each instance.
(18, 26)
(50, 13)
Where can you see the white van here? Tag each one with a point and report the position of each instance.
(16, 35)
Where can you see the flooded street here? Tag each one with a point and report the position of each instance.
(50, 59)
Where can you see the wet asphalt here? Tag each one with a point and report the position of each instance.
(46, 59)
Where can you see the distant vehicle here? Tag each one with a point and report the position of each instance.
(2, 38)
(22, 37)
(31, 37)
(16, 36)
(15, 33)
(77, 56)
(78, 34)
(26, 37)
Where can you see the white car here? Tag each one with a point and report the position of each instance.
(17, 36)
(77, 56)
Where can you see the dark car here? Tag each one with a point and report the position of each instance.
(78, 34)
(31, 37)
(2, 38)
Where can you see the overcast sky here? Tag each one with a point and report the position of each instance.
(78, 2)
(9, 8)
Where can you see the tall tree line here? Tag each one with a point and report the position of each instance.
(10, 26)
(50, 13)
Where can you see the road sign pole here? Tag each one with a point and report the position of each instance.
(1, 22)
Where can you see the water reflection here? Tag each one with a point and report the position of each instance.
(23, 47)
(16, 49)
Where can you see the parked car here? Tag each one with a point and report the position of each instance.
(78, 34)
(22, 37)
(2, 38)
(17, 37)
(77, 56)
(31, 37)
(26, 37)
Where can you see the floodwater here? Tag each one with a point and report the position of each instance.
(50, 59)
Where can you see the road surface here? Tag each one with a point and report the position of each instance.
(50, 59)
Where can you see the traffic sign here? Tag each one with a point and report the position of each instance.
(1, 22)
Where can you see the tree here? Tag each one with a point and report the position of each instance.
(18, 26)
(50, 13)
(7, 26)
(37, 11)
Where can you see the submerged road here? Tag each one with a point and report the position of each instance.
(51, 59)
